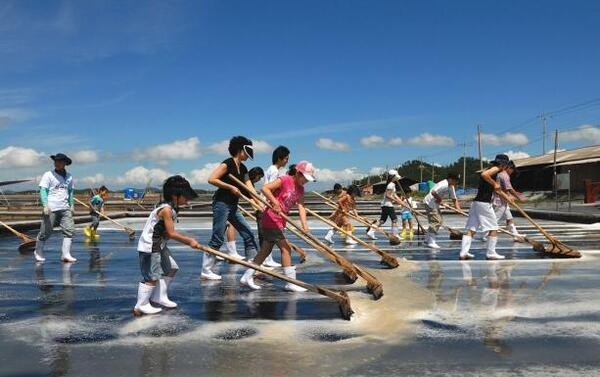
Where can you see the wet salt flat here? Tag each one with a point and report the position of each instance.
(528, 315)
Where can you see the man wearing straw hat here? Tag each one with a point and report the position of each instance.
(56, 195)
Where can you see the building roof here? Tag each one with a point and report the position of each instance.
(568, 157)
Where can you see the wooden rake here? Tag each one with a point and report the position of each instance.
(294, 247)
(341, 297)
(394, 240)
(536, 245)
(385, 257)
(351, 270)
(28, 243)
(557, 247)
(129, 231)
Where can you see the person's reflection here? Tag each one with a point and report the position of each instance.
(96, 264)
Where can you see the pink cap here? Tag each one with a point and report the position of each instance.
(307, 169)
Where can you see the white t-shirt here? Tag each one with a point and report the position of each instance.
(271, 174)
(442, 188)
(386, 202)
(58, 189)
(150, 239)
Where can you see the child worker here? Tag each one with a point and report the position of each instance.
(156, 261)
(481, 213)
(96, 208)
(406, 215)
(283, 193)
(345, 204)
(433, 199)
(225, 202)
(501, 207)
(387, 204)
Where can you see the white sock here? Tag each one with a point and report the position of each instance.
(465, 244)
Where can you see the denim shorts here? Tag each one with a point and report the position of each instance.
(406, 215)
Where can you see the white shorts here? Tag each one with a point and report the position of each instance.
(503, 213)
(481, 215)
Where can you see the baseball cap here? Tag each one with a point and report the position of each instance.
(307, 169)
(394, 172)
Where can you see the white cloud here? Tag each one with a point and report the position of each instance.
(515, 155)
(140, 176)
(92, 180)
(328, 175)
(325, 143)
(222, 147)
(377, 170)
(84, 157)
(14, 157)
(200, 176)
(395, 141)
(372, 141)
(588, 133)
(187, 149)
(261, 146)
(428, 140)
(507, 138)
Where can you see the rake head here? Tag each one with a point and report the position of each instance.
(562, 250)
(395, 240)
(389, 261)
(350, 275)
(27, 247)
(345, 308)
(456, 235)
(375, 289)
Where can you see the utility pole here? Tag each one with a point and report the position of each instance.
(421, 167)
(555, 176)
(479, 146)
(432, 172)
(544, 125)
(464, 179)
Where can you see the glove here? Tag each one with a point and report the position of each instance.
(46, 211)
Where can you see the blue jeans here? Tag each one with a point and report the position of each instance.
(223, 213)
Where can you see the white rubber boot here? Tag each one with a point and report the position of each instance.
(515, 233)
(143, 301)
(232, 250)
(66, 251)
(291, 273)
(329, 236)
(160, 296)
(39, 251)
(208, 261)
(430, 242)
(270, 262)
(248, 279)
(350, 241)
(491, 249)
(371, 234)
(464, 248)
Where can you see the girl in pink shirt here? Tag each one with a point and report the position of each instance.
(283, 193)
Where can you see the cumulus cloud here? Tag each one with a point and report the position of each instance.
(93, 180)
(372, 141)
(376, 170)
(428, 140)
(587, 133)
(329, 175)
(140, 176)
(222, 147)
(325, 143)
(395, 141)
(17, 157)
(187, 149)
(507, 138)
(515, 155)
(84, 156)
(200, 176)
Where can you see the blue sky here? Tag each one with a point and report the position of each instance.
(138, 90)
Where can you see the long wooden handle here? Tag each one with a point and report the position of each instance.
(22, 236)
(126, 228)
(535, 224)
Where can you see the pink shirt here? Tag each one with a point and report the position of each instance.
(288, 195)
(503, 180)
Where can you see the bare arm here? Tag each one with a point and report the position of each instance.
(268, 189)
(215, 179)
(302, 214)
(171, 233)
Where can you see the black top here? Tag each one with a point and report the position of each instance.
(223, 195)
(484, 190)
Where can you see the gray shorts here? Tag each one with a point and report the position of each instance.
(63, 218)
(503, 213)
(272, 234)
(156, 265)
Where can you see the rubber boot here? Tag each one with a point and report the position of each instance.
(159, 295)
(371, 234)
(66, 251)
(208, 261)
(464, 248)
(95, 235)
(290, 272)
(513, 230)
(491, 249)
(87, 231)
(39, 251)
(232, 250)
(403, 234)
(143, 301)
(430, 241)
(329, 236)
(411, 234)
(270, 262)
(247, 279)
